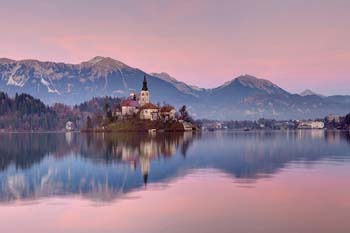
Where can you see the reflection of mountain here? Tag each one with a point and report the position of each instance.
(23, 150)
(104, 166)
(262, 154)
(37, 165)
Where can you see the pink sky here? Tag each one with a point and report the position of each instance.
(296, 44)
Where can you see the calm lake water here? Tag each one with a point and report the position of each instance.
(245, 182)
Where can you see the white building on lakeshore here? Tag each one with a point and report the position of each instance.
(311, 125)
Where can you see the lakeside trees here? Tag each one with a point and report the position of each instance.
(342, 123)
(25, 113)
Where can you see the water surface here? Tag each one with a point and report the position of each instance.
(297, 181)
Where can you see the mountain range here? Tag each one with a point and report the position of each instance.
(244, 97)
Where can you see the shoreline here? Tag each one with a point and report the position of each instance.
(167, 131)
(132, 131)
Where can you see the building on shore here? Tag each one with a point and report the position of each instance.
(311, 125)
(187, 126)
(69, 126)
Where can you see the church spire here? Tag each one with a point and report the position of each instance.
(144, 87)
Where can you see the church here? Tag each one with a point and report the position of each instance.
(139, 105)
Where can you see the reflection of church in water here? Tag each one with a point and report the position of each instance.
(98, 166)
(106, 166)
(148, 149)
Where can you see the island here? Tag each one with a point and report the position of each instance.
(138, 114)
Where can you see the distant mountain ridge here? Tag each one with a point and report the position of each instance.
(245, 97)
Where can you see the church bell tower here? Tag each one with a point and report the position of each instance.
(144, 95)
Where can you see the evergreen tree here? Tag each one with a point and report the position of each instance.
(184, 115)
(88, 123)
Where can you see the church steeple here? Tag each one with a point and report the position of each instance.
(144, 95)
(144, 87)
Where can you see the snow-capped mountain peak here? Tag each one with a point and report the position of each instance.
(95, 60)
(104, 65)
(308, 92)
(252, 82)
(106, 62)
(181, 86)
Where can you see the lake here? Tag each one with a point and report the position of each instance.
(293, 181)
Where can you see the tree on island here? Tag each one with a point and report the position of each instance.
(184, 115)
(108, 111)
(88, 123)
(346, 122)
(347, 119)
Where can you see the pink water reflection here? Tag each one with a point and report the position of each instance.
(298, 199)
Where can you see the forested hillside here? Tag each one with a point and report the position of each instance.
(24, 113)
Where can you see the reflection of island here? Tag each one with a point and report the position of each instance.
(135, 149)
(104, 166)
(37, 165)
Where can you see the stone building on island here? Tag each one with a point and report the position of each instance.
(149, 111)
(167, 112)
(139, 105)
(130, 107)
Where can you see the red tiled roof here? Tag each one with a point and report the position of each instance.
(130, 103)
(149, 106)
(166, 108)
